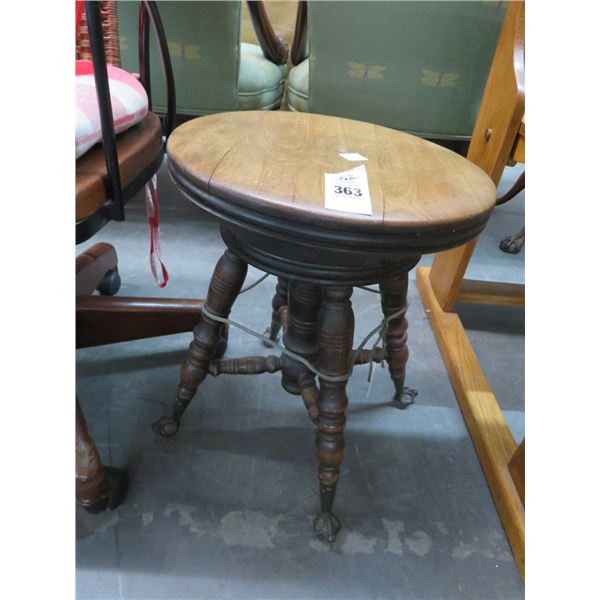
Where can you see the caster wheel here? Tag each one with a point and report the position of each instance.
(110, 283)
(119, 483)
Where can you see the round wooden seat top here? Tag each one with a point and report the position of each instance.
(266, 170)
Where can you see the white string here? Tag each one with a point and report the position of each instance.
(332, 378)
(250, 286)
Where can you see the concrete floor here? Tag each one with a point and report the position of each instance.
(224, 509)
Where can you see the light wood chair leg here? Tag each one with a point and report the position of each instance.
(489, 431)
(516, 467)
(447, 273)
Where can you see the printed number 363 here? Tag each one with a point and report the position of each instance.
(348, 191)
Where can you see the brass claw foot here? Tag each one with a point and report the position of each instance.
(167, 426)
(327, 525)
(406, 397)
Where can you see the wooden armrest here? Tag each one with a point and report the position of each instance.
(272, 46)
(300, 43)
(503, 103)
(519, 52)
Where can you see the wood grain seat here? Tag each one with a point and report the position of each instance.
(262, 175)
(137, 149)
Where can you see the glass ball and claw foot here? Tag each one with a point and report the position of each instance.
(208, 342)
(319, 326)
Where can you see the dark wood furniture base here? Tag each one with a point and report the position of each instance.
(97, 488)
(107, 319)
(320, 328)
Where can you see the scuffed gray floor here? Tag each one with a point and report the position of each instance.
(224, 509)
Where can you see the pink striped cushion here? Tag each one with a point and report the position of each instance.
(128, 98)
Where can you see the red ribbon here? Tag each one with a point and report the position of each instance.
(154, 222)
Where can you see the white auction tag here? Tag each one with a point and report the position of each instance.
(348, 191)
(353, 156)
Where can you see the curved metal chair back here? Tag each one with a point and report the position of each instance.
(148, 16)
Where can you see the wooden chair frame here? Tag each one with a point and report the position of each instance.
(273, 47)
(300, 48)
(498, 137)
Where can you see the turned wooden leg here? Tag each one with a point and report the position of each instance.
(336, 332)
(300, 335)
(280, 299)
(96, 487)
(226, 283)
(393, 299)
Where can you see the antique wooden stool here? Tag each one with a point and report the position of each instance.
(261, 174)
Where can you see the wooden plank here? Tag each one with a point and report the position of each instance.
(492, 292)
(489, 431)
(111, 319)
(516, 467)
(448, 270)
(518, 152)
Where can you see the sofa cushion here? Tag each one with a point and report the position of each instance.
(298, 87)
(261, 82)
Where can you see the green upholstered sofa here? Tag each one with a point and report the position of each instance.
(213, 71)
(419, 67)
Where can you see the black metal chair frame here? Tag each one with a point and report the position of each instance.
(119, 196)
